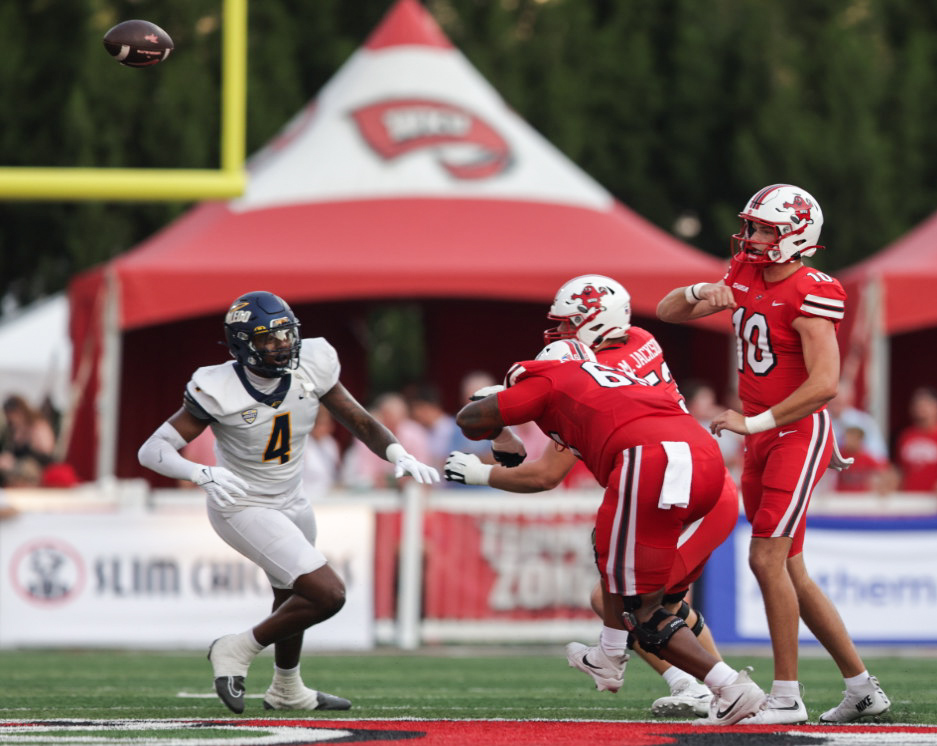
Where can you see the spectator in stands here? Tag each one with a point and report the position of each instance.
(28, 436)
(916, 451)
(426, 409)
(868, 473)
(363, 469)
(323, 457)
(845, 414)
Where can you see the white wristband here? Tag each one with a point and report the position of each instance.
(691, 293)
(760, 422)
(478, 473)
(394, 451)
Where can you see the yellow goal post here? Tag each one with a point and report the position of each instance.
(153, 184)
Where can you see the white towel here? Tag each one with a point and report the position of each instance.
(678, 476)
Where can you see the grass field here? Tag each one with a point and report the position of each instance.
(514, 683)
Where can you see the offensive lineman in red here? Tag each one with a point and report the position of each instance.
(661, 472)
(785, 316)
(595, 311)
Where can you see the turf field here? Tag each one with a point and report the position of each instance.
(513, 683)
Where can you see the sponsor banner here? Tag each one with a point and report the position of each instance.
(140, 580)
(499, 566)
(880, 573)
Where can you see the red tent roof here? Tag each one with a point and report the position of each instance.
(408, 177)
(907, 269)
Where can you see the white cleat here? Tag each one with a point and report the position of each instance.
(608, 671)
(688, 699)
(739, 699)
(778, 710)
(868, 701)
(303, 699)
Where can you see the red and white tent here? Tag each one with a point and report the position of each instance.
(893, 334)
(408, 178)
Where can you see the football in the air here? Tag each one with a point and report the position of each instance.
(138, 43)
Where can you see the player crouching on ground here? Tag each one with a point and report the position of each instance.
(661, 472)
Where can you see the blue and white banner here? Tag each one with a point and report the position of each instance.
(133, 579)
(881, 573)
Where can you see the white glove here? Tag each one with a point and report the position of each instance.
(223, 486)
(486, 391)
(466, 468)
(406, 464)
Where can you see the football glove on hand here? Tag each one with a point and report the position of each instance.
(508, 449)
(466, 468)
(486, 391)
(222, 485)
(405, 464)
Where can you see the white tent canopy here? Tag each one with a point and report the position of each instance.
(36, 352)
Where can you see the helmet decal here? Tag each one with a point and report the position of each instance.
(591, 297)
(800, 208)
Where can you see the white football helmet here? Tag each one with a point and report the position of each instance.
(565, 350)
(590, 308)
(795, 217)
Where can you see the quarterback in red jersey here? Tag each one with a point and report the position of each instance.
(785, 315)
(661, 472)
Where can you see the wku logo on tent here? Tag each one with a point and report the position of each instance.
(400, 126)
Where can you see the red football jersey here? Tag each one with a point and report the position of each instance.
(641, 356)
(596, 411)
(770, 355)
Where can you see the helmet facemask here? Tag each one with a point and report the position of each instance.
(276, 351)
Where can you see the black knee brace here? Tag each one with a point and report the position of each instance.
(652, 639)
(684, 612)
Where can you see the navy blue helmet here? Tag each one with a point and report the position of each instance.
(263, 333)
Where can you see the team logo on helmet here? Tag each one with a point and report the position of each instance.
(801, 208)
(249, 415)
(466, 146)
(236, 314)
(590, 297)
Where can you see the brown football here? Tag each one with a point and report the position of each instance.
(138, 43)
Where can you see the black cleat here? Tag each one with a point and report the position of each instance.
(231, 691)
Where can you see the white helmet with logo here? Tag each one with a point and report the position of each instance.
(566, 350)
(795, 217)
(590, 308)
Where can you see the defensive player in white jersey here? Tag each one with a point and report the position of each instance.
(594, 311)
(261, 407)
